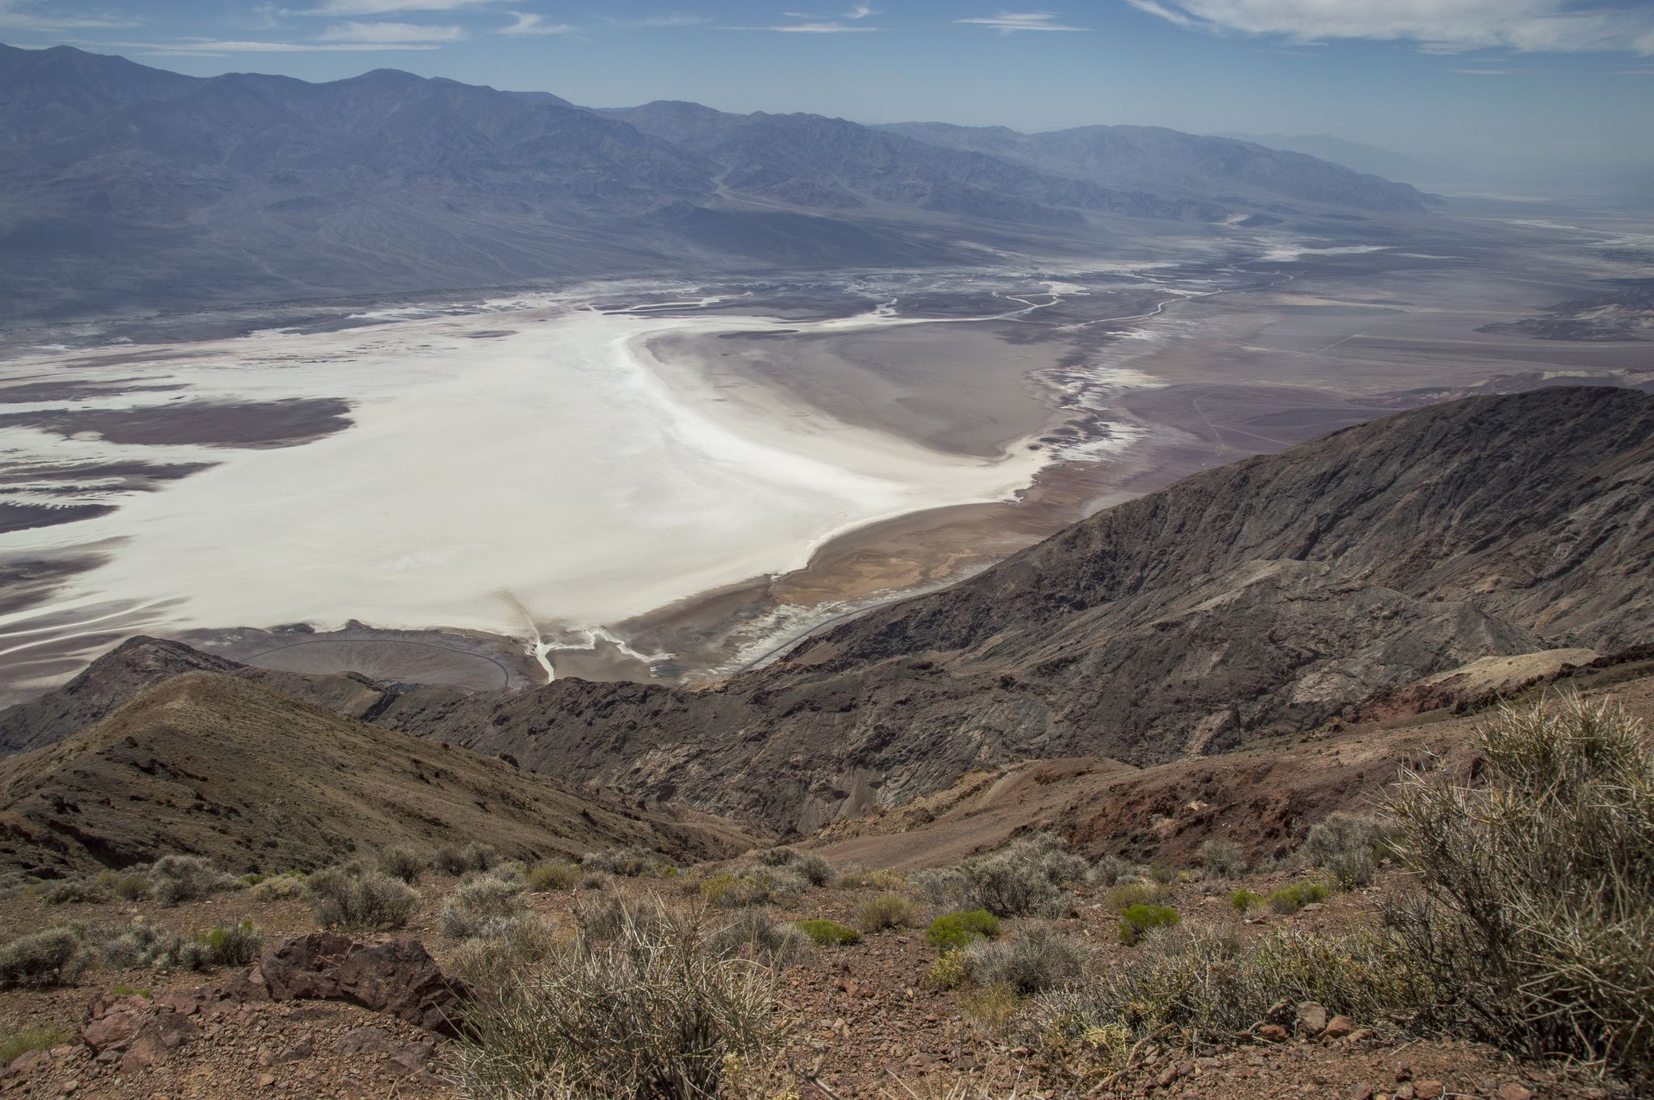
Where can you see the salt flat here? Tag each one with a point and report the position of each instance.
(526, 469)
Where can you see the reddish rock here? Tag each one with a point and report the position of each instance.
(399, 978)
(1514, 1090)
(1312, 1019)
(1428, 1090)
(1338, 1027)
(1272, 1033)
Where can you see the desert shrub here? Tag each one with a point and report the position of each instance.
(1222, 858)
(362, 902)
(632, 862)
(1109, 870)
(1242, 899)
(232, 945)
(651, 1014)
(1295, 895)
(950, 971)
(1138, 920)
(951, 931)
(402, 864)
(125, 885)
(1535, 883)
(776, 857)
(283, 887)
(22, 1040)
(126, 947)
(552, 875)
(886, 911)
(1346, 846)
(512, 948)
(990, 1008)
(52, 957)
(69, 891)
(479, 902)
(829, 933)
(1191, 986)
(457, 860)
(751, 886)
(882, 878)
(1036, 959)
(1031, 875)
(1141, 892)
(175, 879)
(1163, 873)
(813, 869)
(754, 934)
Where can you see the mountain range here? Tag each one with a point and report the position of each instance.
(1277, 597)
(125, 186)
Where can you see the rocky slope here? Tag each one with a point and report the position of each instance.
(255, 780)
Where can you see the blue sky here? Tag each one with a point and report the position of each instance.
(1560, 80)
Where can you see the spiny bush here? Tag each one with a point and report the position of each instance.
(1191, 986)
(1222, 858)
(1535, 883)
(1346, 846)
(1138, 920)
(632, 862)
(233, 945)
(479, 902)
(402, 864)
(457, 860)
(510, 950)
(829, 933)
(754, 934)
(951, 931)
(813, 869)
(52, 957)
(600, 918)
(886, 911)
(776, 857)
(125, 885)
(361, 902)
(175, 879)
(282, 887)
(125, 947)
(73, 891)
(650, 1014)
(1036, 959)
(552, 875)
(22, 1040)
(1295, 895)
(1031, 875)
(1242, 899)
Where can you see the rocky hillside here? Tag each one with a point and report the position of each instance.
(1267, 597)
(255, 780)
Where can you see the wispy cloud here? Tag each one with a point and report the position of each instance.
(1437, 26)
(806, 22)
(22, 15)
(210, 47)
(1010, 22)
(390, 7)
(529, 23)
(652, 22)
(386, 34)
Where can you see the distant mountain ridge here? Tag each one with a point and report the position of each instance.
(123, 186)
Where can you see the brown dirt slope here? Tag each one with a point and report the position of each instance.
(214, 765)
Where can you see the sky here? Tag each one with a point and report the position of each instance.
(1568, 83)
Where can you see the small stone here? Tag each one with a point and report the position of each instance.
(1338, 1027)
(1361, 1092)
(266, 1080)
(1272, 1033)
(1404, 1071)
(1312, 1018)
(1166, 1077)
(1404, 1091)
(1429, 1090)
(1515, 1090)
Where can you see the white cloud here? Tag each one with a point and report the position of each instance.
(22, 15)
(211, 47)
(529, 23)
(860, 11)
(385, 34)
(1009, 22)
(1441, 26)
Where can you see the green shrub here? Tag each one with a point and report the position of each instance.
(650, 1013)
(402, 864)
(361, 902)
(175, 879)
(1222, 858)
(1242, 899)
(1534, 912)
(950, 971)
(829, 933)
(478, 903)
(1136, 920)
(22, 1040)
(886, 911)
(52, 957)
(1037, 959)
(1294, 896)
(553, 875)
(951, 931)
(1346, 846)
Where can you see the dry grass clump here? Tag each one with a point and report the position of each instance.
(1534, 911)
(1137, 892)
(282, 887)
(175, 879)
(887, 911)
(750, 886)
(402, 864)
(755, 934)
(632, 862)
(458, 860)
(509, 953)
(1347, 847)
(881, 878)
(806, 865)
(552, 876)
(650, 1014)
(478, 903)
(1037, 959)
(1030, 876)
(55, 956)
(223, 945)
(71, 891)
(1221, 858)
(14, 1043)
(1295, 895)
(353, 900)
